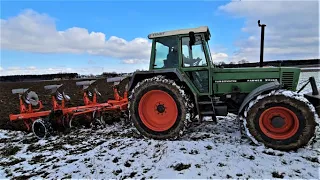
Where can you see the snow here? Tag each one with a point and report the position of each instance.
(206, 151)
(211, 150)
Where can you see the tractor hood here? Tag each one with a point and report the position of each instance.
(248, 79)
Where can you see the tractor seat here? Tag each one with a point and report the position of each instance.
(165, 63)
(172, 60)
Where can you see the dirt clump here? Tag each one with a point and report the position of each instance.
(180, 166)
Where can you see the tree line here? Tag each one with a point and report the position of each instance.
(58, 76)
(14, 78)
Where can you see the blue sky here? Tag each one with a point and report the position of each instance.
(124, 19)
(130, 19)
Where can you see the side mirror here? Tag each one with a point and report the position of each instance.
(192, 39)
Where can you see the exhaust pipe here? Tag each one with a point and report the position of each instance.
(262, 42)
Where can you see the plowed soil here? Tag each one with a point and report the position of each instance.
(9, 103)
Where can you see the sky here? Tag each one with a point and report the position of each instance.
(91, 37)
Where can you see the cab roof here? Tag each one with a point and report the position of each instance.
(201, 29)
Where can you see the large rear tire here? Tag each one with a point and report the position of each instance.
(158, 108)
(280, 121)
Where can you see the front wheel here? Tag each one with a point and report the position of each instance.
(281, 120)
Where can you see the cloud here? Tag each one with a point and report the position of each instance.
(31, 68)
(292, 30)
(217, 57)
(135, 61)
(31, 31)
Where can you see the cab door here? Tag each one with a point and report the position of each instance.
(195, 64)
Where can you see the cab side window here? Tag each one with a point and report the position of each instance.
(166, 52)
(194, 57)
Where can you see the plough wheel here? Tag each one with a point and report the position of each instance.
(158, 108)
(75, 123)
(41, 128)
(281, 122)
(98, 119)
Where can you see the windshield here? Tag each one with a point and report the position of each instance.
(193, 57)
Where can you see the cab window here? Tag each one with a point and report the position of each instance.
(166, 52)
(193, 57)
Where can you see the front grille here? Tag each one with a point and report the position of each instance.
(287, 80)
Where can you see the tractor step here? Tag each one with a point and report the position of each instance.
(205, 102)
(207, 113)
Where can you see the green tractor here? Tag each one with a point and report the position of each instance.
(182, 82)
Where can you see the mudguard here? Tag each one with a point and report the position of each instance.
(259, 90)
(137, 76)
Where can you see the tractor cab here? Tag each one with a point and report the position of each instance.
(186, 50)
(180, 48)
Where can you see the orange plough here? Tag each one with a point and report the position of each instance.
(42, 122)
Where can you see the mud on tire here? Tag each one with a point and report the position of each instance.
(169, 90)
(299, 122)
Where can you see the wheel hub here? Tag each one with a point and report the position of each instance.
(161, 108)
(277, 122)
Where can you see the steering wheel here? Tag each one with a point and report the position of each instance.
(196, 61)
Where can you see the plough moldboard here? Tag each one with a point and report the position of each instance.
(60, 117)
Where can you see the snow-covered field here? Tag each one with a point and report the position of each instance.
(304, 76)
(116, 152)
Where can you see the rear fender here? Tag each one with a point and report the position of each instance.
(256, 92)
(141, 75)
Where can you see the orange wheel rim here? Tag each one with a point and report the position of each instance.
(158, 110)
(279, 123)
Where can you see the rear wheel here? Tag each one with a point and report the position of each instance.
(159, 109)
(281, 122)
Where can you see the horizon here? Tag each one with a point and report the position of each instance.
(96, 37)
